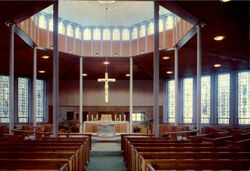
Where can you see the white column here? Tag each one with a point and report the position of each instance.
(11, 80)
(80, 100)
(131, 96)
(34, 86)
(55, 70)
(176, 78)
(156, 69)
(198, 87)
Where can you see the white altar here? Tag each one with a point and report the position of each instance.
(105, 127)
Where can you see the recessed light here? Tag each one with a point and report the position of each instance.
(225, 0)
(127, 75)
(106, 62)
(165, 57)
(84, 74)
(45, 57)
(217, 65)
(219, 38)
(41, 71)
(169, 72)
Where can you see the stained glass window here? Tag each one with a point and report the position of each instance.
(205, 99)
(116, 34)
(42, 22)
(142, 31)
(69, 30)
(106, 34)
(23, 100)
(4, 99)
(139, 116)
(223, 98)
(169, 22)
(61, 28)
(125, 34)
(160, 25)
(87, 34)
(188, 100)
(97, 34)
(40, 100)
(134, 33)
(244, 97)
(77, 33)
(51, 25)
(171, 101)
(150, 28)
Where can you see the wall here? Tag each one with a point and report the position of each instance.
(93, 96)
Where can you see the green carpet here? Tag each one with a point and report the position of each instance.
(106, 163)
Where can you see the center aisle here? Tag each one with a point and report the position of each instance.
(106, 156)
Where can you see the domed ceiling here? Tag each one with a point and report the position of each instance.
(93, 13)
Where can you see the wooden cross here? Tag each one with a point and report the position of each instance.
(106, 86)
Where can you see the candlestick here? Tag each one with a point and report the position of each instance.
(92, 117)
(120, 116)
(124, 117)
(87, 117)
(115, 117)
(96, 117)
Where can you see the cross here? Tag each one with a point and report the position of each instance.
(106, 86)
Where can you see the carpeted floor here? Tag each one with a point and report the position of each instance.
(106, 157)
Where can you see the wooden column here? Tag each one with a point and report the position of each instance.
(176, 78)
(131, 96)
(156, 69)
(55, 70)
(80, 96)
(11, 80)
(34, 86)
(198, 87)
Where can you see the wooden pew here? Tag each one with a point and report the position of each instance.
(198, 164)
(72, 163)
(134, 158)
(33, 165)
(123, 136)
(144, 157)
(77, 135)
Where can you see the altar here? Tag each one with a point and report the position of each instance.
(106, 126)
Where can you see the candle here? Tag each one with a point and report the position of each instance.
(96, 117)
(124, 117)
(87, 117)
(92, 118)
(120, 116)
(115, 117)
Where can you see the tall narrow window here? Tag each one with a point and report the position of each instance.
(244, 97)
(205, 99)
(40, 100)
(61, 28)
(116, 34)
(134, 33)
(171, 101)
(42, 22)
(142, 31)
(87, 34)
(169, 22)
(160, 25)
(70, 30)
(188, 100)
(97, 34)
(4, 99)
(125, 34)
(106, 34)
(223, 98)
(51, 25)
(23, 100)
(151, 28)
(77, 33)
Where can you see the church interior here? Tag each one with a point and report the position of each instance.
(124, 85)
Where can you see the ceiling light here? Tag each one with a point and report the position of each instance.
(104, 2)
(84, 74)
(106, 62)
(225, 0)
(217, 65)
(165, 57)
(169, 72)
(41, 71)
(45, 57)
(219, 38)
(127, 75)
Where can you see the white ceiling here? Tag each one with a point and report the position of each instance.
(92, 13)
